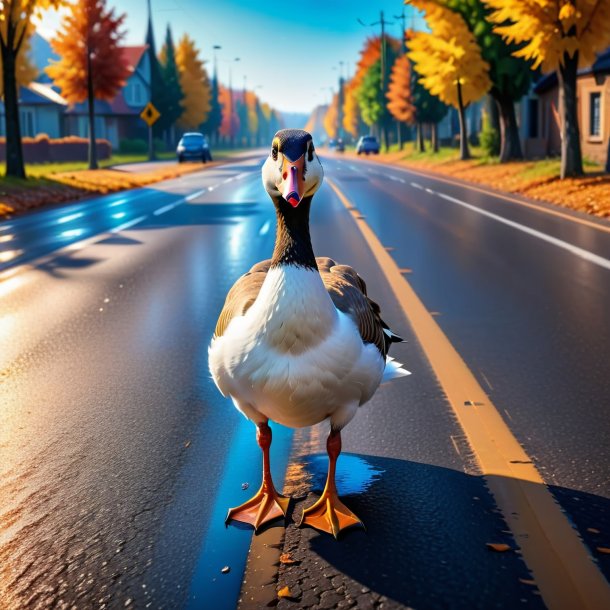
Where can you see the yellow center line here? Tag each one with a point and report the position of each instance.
(560, 562)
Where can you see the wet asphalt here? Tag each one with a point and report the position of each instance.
(119, 457)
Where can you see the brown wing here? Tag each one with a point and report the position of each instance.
(241, 296)
(348, 292)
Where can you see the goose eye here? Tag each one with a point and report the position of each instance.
(274, 153)
(310, 152)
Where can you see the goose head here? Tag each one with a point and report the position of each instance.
(292, 170)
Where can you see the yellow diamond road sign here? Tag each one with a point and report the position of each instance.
(150, 114)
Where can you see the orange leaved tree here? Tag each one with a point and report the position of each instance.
(15, 26)
(331, 118)
(400, 103)
(91, 64)
(558, 35)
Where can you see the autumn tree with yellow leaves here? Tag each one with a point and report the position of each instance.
(331, 117)
(449, 61)
(15, 26)
(194, 83)
(557, 35)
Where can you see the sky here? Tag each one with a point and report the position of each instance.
(290, 52)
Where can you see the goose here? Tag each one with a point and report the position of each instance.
(298, 340)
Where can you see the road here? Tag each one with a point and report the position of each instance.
(119, 457)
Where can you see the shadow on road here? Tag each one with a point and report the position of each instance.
(425, 543)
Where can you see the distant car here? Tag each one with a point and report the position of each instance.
(193, 146)
(336, 144)
(367, 145)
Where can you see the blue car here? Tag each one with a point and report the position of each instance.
(193, 146)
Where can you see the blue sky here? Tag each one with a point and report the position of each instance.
(287, 49)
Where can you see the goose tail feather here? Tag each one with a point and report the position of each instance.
(393, 370)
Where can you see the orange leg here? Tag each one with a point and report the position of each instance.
(266, 504)
(329, 514)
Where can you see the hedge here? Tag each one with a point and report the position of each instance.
(43, 149)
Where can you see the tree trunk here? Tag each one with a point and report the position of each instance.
(399, 134)
(510, 143)
(14, 149)
(91, 102)
(571, 155)
(464, 150)
(386, 136)
(421, 145)
(435, 137)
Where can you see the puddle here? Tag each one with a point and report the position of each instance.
(354, 473)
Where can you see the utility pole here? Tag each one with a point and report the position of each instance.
(384, 62)
(402, 19)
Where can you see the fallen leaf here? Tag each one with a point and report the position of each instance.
(499, 547)
(187, 444)
(604, 549)
(284, 592)
(226, 570)
(286, 558)
(527, 581)
(245, 485)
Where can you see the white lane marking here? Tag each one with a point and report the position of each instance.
(584, 254)
(211, 188)
(265, 228)
(242, 175)
(353, 167)
(431, 191)
(165, 208)
(128, 224)
(6, 227)
(417, 186)
(119, 202)
(394, 178)
(194, 195)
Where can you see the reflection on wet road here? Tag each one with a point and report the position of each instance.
(118, 457)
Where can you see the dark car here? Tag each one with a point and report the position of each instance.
(336, 144)
(193, 146)
(367, 145)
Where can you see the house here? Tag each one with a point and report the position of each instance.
(543, 121)
(119, 118)
(41, 110)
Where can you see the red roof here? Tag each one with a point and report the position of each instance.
(134, 54)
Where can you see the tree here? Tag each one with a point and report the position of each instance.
(252, 106)
(214, 120)
(449, 61)
(510, 76)
(194, 83)
(428, 109)
(229, 128)
(25, 70)
(331, 118)
(15, 26)
(171, 81)
(557, 36)
(399, 96)
(369, 70)
(352, 120)
(91, 65)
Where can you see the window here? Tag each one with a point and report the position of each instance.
(595, 114)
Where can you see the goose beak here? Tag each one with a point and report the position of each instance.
(292, 190)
